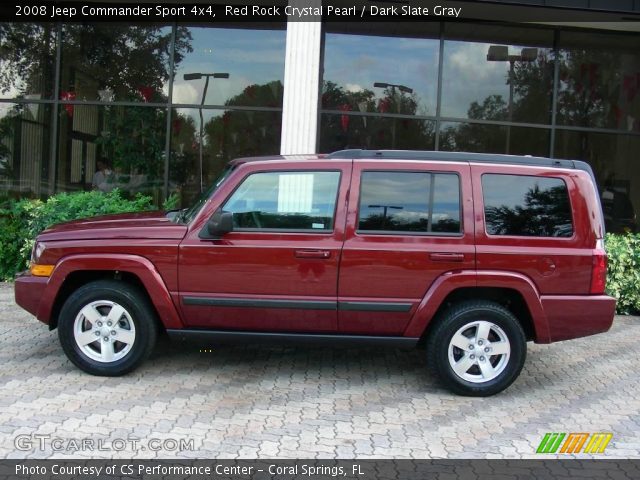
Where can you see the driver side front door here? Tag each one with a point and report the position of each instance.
(277, 271)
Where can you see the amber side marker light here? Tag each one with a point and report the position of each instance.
(41, 270)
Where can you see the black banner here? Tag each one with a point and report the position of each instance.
(279, 11)
(317, 469)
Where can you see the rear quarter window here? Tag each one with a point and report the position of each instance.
(527, 206)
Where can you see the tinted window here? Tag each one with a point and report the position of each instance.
(285, 200)
(409, 202)
(526, 206)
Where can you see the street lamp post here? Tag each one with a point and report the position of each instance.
(198, 76)
(385, 208)
(500, 53)
(403, 89)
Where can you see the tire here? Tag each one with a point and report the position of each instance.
(98, 342)
(459, 357)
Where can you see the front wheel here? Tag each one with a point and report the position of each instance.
(107, 328)
(477, 348)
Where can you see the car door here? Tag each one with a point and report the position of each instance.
(408, 222)
(278, 269)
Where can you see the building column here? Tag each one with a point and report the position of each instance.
(301, 85)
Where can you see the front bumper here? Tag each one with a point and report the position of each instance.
(29, 291)
(574, 316)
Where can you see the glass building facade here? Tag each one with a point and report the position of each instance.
(130, 101)
(162, 108)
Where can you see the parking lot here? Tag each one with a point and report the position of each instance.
(248, 402)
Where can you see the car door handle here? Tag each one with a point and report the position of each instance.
(313, 254)
(447, 257)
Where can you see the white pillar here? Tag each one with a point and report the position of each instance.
(301, 85)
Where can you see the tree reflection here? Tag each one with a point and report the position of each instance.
(375, 131)
(545, 212)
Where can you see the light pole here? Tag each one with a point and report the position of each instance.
(198, 76)
(403, 89)
(500, 53)
(385, 208)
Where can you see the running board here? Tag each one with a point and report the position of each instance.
(212, 337)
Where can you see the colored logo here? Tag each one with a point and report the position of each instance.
(573, 442)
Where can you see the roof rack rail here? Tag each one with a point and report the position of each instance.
(454, 157)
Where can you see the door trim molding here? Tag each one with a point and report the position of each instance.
(349, 306)
(261, 303)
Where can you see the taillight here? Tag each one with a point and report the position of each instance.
(599, 270)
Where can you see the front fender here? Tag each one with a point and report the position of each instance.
(134, 264)
(451, 281)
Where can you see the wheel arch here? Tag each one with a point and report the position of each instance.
(509, 298)
(514, 291)
(74, 271)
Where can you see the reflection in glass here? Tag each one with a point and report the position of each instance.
(27, 60)
(355, 63)
(227, 135)
(599, 88)
(338, 132)
(126, 145)
(446, 203)
(254, 59)
(399, 202)
(488, 81)
(482, 138)
(285, 200)
(526, 206)
(25, 143)
(614, 159)
(108, 62)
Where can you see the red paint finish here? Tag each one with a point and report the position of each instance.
(555, 265)
(189, 279)
(264, 265)
(136, 265)
(28, 292)
(398, 267)
(578, 316)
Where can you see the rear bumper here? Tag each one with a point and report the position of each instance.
(29, 290)
(573, 316)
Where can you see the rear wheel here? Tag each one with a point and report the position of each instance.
(477, 348)
(107, 328)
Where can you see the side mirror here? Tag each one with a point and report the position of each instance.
(218, 225)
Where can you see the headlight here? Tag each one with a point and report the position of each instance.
(36, 253)
(36, 269)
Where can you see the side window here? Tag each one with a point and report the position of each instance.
(285, 201)
(525, 205)
(410, 202)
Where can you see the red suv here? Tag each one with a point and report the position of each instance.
(467, 255)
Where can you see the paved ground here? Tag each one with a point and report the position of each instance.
(248, 402)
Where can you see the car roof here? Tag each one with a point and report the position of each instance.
(425, 155)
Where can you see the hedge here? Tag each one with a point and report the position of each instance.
(21, 221)
(623, 273)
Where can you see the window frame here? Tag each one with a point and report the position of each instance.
(541, 237)
(430, 198)
(318, 231)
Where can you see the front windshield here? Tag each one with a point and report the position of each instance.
(189, 213)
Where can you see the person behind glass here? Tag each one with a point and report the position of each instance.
(102, 179)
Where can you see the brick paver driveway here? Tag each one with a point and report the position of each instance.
(247, 402)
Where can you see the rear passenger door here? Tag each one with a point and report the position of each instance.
(407, 224)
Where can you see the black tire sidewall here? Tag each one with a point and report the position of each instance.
(138, 308)
(459, 318)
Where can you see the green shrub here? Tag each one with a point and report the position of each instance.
(171, 202)
(623, 274)
(21, 221)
